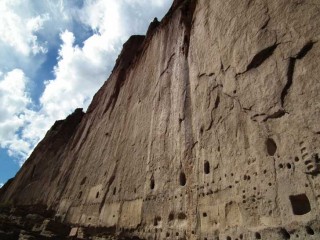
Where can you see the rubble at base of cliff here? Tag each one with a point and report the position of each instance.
(37, 223)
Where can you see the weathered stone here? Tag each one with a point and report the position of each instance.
(207, 128)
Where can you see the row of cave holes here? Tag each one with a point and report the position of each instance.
(271, 149)
(182, 180)
(180, 216)
(182, 176)
(285, 234)
(80, 194)
(83, 181)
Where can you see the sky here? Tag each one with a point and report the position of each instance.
(55, 55)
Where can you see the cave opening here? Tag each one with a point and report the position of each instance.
(300, 204)
(206, 167)
(182, 179)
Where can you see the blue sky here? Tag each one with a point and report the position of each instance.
(55, 54)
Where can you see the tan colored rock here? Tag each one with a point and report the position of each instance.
(207, 128)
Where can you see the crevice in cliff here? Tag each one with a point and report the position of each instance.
(109, 183)
(114, 97)
(303, 52)
(216, 105)
(278, 114)
(187, 114)
(131, 50)
(168, 64)
(187, 9)
(205, 75)
(266, 22)
(290, 71)
(291, 65)
(261, 56)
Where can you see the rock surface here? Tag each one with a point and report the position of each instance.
(207, 128)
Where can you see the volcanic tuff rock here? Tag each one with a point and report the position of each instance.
(207, 128)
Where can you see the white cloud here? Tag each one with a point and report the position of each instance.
(19, 32)
(14, 103)
(1, 185)
(78, 75)
(80, 70)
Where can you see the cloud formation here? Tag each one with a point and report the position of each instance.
(19, 32)
(83, 62)
(14, 103)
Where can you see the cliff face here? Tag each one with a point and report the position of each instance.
(207, 127)
(33, 182)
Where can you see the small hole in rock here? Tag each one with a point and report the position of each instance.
(114, 191)
(152, 183)
(182, 216)
(229, 238)
(204, 214)
(182, 179)
(289, 165)
(83, 181)
(284, 233)
(171, 216)
(271, 146)
(206, 167)
(258, 235)
(309, 230)
(296, 159)
(156, 221)
(97, 195)
(300, 204)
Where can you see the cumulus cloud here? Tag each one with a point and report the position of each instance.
(81, 67)
(14, 104)
(19, 33)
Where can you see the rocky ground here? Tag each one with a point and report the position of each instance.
(37, 223)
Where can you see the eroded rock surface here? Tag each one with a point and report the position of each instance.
(207, 128)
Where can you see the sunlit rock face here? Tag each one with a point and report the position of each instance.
(207, 128)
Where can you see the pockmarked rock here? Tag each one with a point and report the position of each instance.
(207, 128)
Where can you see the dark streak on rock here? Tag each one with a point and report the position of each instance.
(303, 52)
(292, 62)
(168, 64)
(261, 56)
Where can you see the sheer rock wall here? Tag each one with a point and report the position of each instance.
(207, 128)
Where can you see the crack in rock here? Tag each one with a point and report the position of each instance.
(292, 62)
